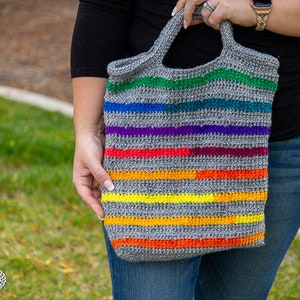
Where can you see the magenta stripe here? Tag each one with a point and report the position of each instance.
(218, 151)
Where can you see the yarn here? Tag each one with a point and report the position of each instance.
(187, 150)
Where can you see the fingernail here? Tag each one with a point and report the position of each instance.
(109, 185)
(184, 24)
(174, 11)
(101, 219)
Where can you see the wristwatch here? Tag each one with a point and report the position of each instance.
(262, 9)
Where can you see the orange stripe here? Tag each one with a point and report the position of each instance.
(232, 174)
(188, 174)
(188, 243)
(155, 175)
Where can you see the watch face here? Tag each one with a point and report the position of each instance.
(262, 3)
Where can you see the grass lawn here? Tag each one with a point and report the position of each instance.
(51, 244)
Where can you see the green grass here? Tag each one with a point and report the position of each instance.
(287, 282)
(51, 244)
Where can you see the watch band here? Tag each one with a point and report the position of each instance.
(262, 16)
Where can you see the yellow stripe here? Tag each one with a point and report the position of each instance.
(183, 221)
(184, 198)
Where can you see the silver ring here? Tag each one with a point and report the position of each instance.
(209, 6)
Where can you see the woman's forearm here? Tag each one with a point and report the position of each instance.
(88, 173)
(285, 17)
(88, 97)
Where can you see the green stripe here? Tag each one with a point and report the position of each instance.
(178, 84)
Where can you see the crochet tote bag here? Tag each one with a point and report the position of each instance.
(187, 150)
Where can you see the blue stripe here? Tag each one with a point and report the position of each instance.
(213, 103)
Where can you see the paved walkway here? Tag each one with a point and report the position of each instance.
(35, 99)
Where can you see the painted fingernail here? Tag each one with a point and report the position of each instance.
(101, 219)
(109, 185)
(184, 24)
(174, 11)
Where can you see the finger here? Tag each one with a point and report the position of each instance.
(96, 207)
(189, 10)
(102, 177)
(208, 9)
(90, 197)
(206, 15)
(215, 19)
(210, 14)
(179, 5)
(93, 166)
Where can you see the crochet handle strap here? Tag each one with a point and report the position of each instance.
(172, 28)
(161, 46)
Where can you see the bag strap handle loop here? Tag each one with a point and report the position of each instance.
(173, 27)
(162, 44)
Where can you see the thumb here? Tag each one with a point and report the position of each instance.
(102, 177)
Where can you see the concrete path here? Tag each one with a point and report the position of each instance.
(35, 99)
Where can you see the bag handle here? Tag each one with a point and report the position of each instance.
(161, 46)
(173, 27)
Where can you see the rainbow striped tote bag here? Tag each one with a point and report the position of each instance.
(187, 150)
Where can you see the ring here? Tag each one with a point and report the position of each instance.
(209, 6)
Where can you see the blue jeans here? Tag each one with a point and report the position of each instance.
(234, 274)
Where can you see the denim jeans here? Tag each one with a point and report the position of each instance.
(234, 274)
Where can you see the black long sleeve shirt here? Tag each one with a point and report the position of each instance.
(108, 30)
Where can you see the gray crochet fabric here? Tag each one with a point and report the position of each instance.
(187, 150)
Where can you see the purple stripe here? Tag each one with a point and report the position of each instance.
(185, 130)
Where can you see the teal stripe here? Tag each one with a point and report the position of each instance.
(226, 104)
(178, 84)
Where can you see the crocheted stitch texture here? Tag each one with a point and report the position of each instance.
(187, 150)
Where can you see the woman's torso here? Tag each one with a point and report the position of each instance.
(199, 44)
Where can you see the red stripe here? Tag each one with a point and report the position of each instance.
(188, 243)
(146, 153)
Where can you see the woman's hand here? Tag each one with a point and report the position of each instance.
(88, 173)
(238, 12)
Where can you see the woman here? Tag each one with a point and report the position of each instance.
(109, 30)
